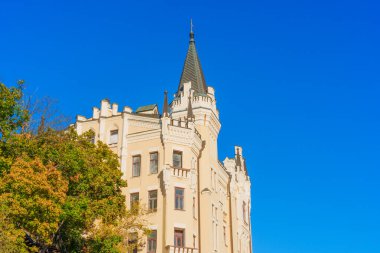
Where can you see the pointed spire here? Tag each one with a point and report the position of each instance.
(192, 70)
(238, 161)
(166, 107)
(190, 114)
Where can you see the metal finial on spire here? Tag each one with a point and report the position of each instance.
(191, 30)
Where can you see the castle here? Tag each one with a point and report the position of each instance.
(198, 204)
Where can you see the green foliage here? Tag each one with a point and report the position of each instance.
(11, 238)
(35, 194)
(12, 113)
(60, 188)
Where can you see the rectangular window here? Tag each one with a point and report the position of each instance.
(244, 211)
(114, 136)
(224, 235)
(136, 166)
(179, 195)
(152, 200)
(153, 167)
(193, 207)
(177, 159)
(132, 242)
(152, 241)
(179, 238)
(135, 198)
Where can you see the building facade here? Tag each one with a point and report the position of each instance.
(170, 160)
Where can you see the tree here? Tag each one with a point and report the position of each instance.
(124, 235)
(56, 186)
(34, 194)
(11, 238)
(12, 113)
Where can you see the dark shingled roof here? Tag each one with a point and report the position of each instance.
(192, 70)
(146, 108)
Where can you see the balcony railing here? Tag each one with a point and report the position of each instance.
(174, 249)
(180, 172)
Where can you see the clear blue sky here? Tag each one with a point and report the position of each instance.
(301, 79)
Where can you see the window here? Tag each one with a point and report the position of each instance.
(135, 198)
(132, 241)
(194, 207)
(179, 238)
(92, 136)
(244, 211)
(136, 166)
(179, 194)
(152, 241)
(152, 200)
(224, 235)
(212, 179)
(177, 159)
(114, 136)
(153, 167)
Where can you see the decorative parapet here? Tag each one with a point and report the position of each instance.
(182, 133)
(174, 249)
(198, 100)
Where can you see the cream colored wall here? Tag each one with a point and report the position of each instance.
(140, 135)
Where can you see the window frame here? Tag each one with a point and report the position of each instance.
(178, 152)
(111, 140)
(152, 239)
(182, 232)
(244, 211)
(132, 200)
(155, 200)
(132, 238)
(181, 197)
(150, 162)
(133, 165)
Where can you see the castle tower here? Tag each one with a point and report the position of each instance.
(198, 204)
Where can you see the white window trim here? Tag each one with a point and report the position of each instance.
(180, 225)
(136, 152)
(134, 190)
(152, 187)
(153, 149)
(180, 185)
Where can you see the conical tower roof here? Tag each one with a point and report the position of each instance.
(192, 70)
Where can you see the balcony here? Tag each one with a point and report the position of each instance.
(180, 172)
(174, 249)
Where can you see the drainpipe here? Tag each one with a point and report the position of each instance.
(230, 211)
(199, 197)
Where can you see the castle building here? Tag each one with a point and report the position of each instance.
(198, 204)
